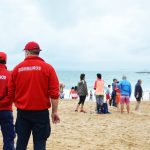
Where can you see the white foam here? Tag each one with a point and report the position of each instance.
(146, 95)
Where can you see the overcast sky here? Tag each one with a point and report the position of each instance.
(79, 34)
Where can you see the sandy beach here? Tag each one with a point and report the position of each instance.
(90, 131)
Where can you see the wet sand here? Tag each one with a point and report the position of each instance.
(90, 131)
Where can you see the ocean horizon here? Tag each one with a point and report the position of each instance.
(71, 78)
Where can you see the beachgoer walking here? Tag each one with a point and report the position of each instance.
(125, 90)
(99, 92)
(82, 92)
(34, 87)
(6, 116)
(138, 93)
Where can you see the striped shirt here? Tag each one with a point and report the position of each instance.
(82, 88)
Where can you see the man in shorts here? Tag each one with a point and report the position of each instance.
(6, 114)
(125, 91)
(138, 92)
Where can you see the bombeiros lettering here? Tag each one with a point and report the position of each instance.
(29, 68)
(2, 77)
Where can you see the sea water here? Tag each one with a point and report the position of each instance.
(71, 78)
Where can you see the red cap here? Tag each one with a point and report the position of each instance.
(3, 56)
(32, 46)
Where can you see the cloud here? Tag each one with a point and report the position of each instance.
(79, 34)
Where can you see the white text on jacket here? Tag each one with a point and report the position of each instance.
(29, 68)
(2, 77)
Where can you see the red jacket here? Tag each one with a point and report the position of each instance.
(33, 83)
(4, 77)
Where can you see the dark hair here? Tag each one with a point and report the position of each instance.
(75, 88)
(99, 76)
(2, 62)
(72, 88)
(109, 85)
(82, 76)
(114, 80)
(35, 52)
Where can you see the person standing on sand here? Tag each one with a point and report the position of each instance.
(73, 93)
(34, 87)
(82, 92)
(113, 94)
(91, 96)
(138, 93)
(76, 92)
(108, 94)
(118, 95)
(99, 92)
(61, 88)
(125, 91)
(6, 115)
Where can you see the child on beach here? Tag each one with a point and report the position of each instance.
(118, 95)
(91, 96)
(108, 94)
(73, 93)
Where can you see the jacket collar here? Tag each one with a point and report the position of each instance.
(33, 58)
(3, 66)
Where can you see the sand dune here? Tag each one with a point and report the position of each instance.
(90, 131)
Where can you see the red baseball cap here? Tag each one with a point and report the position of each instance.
(3, 56)
(32, 46)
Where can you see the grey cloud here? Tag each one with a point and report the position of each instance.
(79, 34)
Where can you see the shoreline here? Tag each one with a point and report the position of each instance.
(146, 96)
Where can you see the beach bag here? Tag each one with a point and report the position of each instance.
(104, 108)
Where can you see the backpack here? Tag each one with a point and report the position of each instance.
(104, 108)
